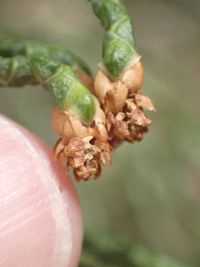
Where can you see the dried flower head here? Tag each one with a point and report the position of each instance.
(84, 149)
(124, 104)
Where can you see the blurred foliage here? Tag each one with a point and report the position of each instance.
(152, 191)
(108, 252)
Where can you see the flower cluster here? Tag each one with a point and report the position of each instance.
(119, 117)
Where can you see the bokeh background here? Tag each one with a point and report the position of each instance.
(152, 191)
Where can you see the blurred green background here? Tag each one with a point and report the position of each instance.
(152, 191)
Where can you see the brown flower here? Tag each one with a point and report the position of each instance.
(121, 117)
(84, 149)
(84, 155)
(124, 104)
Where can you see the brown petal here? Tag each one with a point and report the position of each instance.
(116, 97)
(144, 102)
(133, 77)
(102, 85)
(67, 125)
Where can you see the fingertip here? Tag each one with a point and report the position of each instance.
(40, 216)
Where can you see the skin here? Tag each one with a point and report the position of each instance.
(40, 217)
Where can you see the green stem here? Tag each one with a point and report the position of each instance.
(28, 62)
(62, 55)
(59, 79)
(119, 41)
